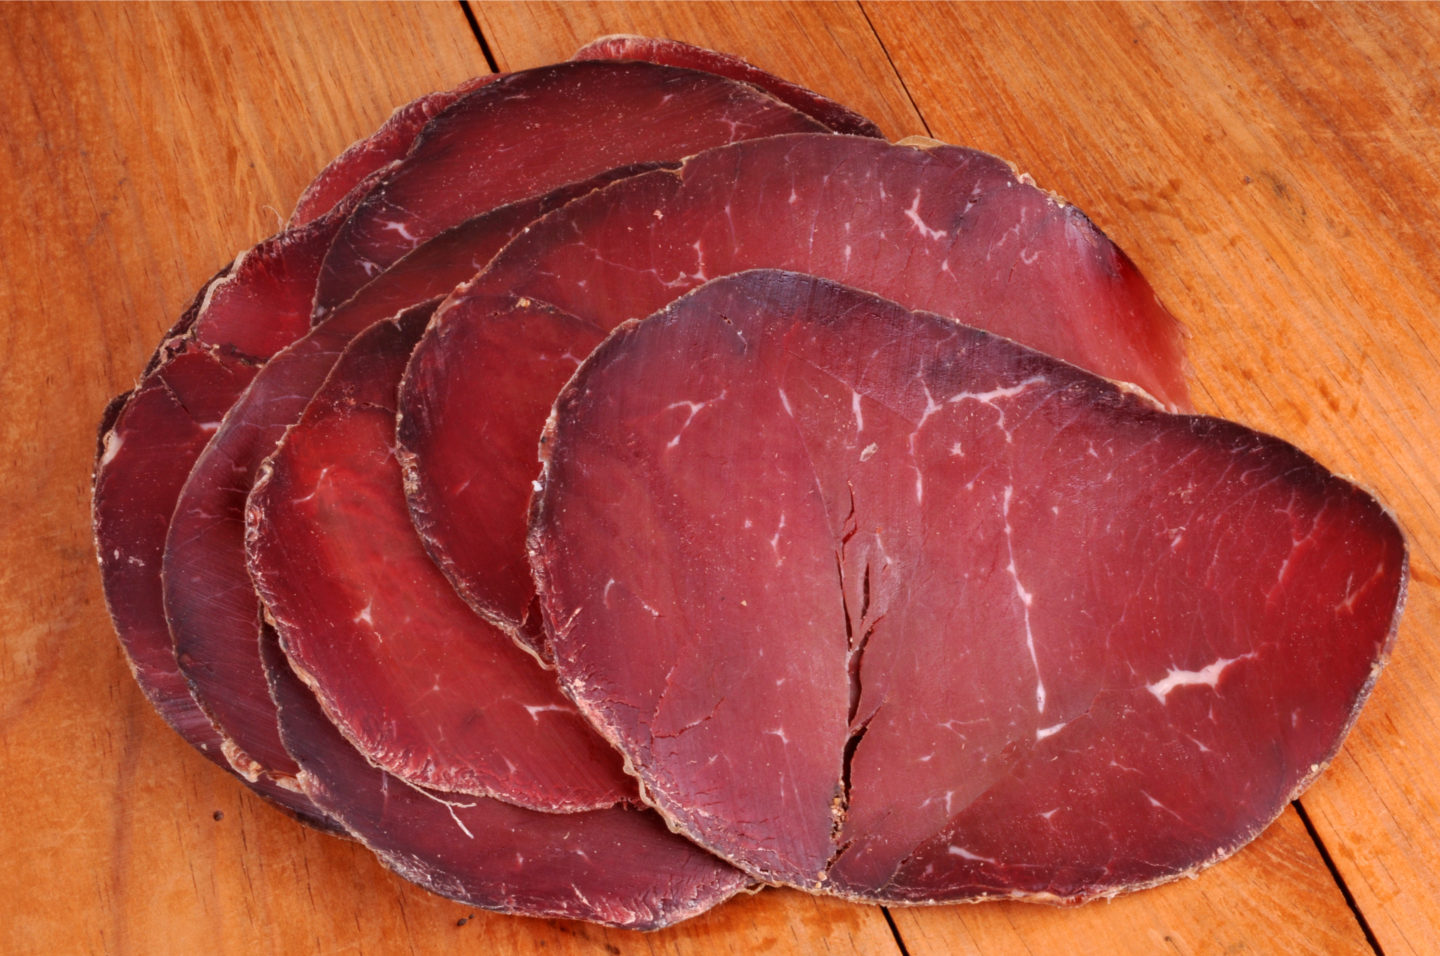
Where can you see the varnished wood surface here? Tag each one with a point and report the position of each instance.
(1272, 168)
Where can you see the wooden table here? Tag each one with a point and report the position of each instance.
(1273, 170)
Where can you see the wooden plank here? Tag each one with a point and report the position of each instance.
(1272, 170)
(828, 47)
(156, 160)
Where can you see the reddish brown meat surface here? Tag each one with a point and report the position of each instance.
(424, 688)
(135, 487)
(618, 866)
(527, 133)
(210, 603)
(882, 605)
(940, 228)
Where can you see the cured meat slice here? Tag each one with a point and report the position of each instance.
(210, 603)
(123, 520)
(437, 266)
(879, 604)
(422, 686)
(934, 227)
(393, 139)
(528, 132)
(524, 351)
(837, 117)
(133, 486)
(618, 866)
(382, 147)
(149, 443)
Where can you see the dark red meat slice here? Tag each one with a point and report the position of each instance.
(209, 599)
(528, 132)
(129, 529)
(883, 605)
(382, 147)
(939, 228)
(438, 265)
(523, 352)
(129, 502)
(422, 686)
(839, 118)
(165, 418)
(618, 866)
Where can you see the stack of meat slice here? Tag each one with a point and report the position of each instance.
(882, 555)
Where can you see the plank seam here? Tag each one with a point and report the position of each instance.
(895, 931)
(903, 85)
(1339, 880)
(479, 36)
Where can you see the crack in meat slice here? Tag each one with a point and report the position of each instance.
(940, 228)
(1106, 644)
(527, 133)
(618, 866)
(423, 687)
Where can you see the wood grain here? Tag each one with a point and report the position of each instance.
(1270, 167)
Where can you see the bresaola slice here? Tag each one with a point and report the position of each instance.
(835, 116)
(618, 866)
(394, 138)
(382, 147)
(934, 227)
(921, 222)
(422, 686)
(143, 431)
(508, 357)
(527, 133)
(885, 606)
